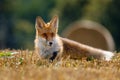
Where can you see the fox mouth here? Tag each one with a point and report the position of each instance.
(48, 47)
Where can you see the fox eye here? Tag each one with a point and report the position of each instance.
(44, 35)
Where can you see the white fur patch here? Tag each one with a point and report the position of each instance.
(45, 50)
(108, 55)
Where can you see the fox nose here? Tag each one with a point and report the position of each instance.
(50, 43)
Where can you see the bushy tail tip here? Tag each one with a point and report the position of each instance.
(108, 55)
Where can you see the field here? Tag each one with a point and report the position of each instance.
(26, 66)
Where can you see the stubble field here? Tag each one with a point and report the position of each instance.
(25, 65)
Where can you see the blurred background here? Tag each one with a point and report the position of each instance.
(17, 18)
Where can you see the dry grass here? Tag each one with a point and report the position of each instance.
(27, 66)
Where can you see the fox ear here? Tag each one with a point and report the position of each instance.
(54, 22)
(39, 22)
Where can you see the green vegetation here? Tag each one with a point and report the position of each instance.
(17, 31)
(17, 18)
(26, 65)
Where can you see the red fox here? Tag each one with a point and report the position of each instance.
(49, 45)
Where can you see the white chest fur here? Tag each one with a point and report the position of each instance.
(47, 51)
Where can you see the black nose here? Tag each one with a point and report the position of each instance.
(50, 43)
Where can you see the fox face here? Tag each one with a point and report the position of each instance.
(47, 31)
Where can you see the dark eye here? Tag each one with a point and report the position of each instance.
(44, 35)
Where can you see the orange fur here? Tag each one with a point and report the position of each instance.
(47, 32)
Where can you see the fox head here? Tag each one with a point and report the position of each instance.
(47, 32)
